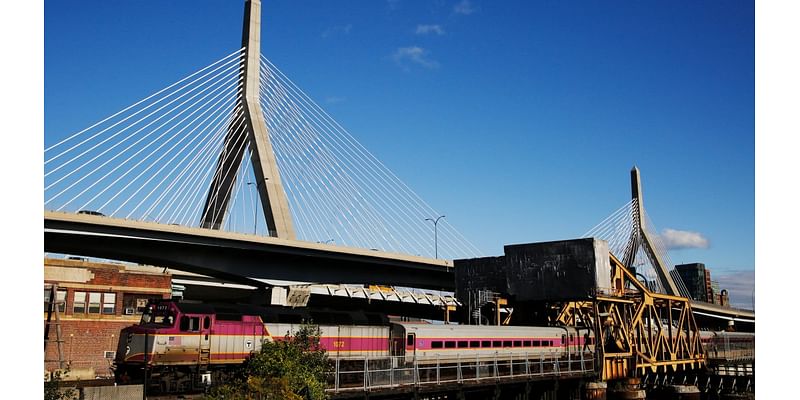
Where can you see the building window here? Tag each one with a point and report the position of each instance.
(94, 303)
(109, 303)
(61, 300)
(135, 303)
(79, 303)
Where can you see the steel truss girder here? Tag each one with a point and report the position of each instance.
(637, 330)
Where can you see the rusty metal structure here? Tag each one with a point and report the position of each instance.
(637, 330)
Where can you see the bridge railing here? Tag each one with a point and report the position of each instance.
(392, 372)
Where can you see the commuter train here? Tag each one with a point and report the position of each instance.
(185, 344)
(728, 345)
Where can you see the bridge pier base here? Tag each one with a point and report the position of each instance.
(595, 391)
(627, 389)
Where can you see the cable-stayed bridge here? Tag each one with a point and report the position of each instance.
(234, 172)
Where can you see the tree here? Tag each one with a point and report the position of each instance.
(294, 368)
(52, 386)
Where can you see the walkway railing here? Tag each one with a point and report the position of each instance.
(383, 373)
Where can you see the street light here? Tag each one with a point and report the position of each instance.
(254, 209)
(435, 234)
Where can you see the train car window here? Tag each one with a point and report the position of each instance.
(571, 338)
(563, 339)
(474, 343)
(497, 343)
(462, 344)
(190, 324)
(536, 343)
(526, 343)
(486, 343)
(206, 322)
(518, 343)
(436, 344)
(449, 344)
(410, 340)
(506, 343)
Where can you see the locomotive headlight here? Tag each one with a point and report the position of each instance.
(130, 338)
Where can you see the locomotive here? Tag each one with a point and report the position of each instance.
(184, 346)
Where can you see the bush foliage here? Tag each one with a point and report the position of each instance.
(294, 368)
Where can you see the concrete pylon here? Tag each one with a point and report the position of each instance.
(265, 168)
(640, 237)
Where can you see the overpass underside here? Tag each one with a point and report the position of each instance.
(237, 257)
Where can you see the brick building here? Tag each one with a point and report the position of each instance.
(96, 300)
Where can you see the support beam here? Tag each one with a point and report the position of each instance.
(639, 236)
(265, 168)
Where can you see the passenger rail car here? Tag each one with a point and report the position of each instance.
(453, 343)
(728, 345)
(185, 345)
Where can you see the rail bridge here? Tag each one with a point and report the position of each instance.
(235, 173)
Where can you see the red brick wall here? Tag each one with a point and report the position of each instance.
(87, 336)
(84, 343)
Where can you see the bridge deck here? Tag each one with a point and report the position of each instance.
(234, 256)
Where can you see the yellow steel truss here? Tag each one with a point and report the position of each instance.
(638, 330)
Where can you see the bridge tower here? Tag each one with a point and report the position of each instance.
(265, 168)
(640, 237)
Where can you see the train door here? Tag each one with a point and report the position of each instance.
(396, 341)
(411, 345)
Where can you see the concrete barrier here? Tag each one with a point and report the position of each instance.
(126, 392)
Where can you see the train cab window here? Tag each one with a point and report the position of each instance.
(506, 343)
(486, 343)
(206, 322)
(474, 344)
(497, 343)
(436, 344)
(526, 343)
(190, 324)
(449, 344)
(462, 344)
(410, 340)
(518, 343)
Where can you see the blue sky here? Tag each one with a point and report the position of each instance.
(518, 120)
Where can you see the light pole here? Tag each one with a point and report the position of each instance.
(435, 234)
(254, 208)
